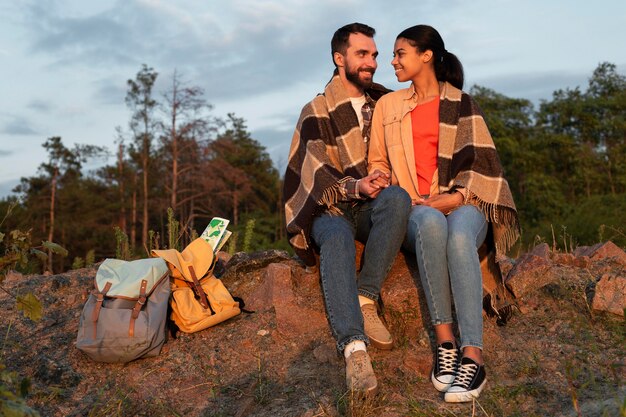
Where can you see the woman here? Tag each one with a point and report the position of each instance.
(433, 140)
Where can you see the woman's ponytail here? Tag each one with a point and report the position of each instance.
(449, 68)
(447, 65)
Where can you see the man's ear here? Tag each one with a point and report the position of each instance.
(338, 58)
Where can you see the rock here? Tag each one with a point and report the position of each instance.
(609, 250)
(606, 250)
(224, 256)
(506, 265)
(542, 251)
(569, 259)
(610, 294)
(530, 273)
(276, 284)
(276, 292)
(563, 258)
(243, 262)
(13, 276)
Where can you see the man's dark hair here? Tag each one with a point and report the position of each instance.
(339, 43)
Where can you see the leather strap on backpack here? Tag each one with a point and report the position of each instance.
(96, 311)
(197, 289)
(138, 306)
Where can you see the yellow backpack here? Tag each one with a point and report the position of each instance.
(199, 300)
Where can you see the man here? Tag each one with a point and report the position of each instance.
(330, 200)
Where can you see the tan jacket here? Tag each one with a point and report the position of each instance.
(467, 161)
(391, 146)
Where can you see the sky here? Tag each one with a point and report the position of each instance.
(64, 64)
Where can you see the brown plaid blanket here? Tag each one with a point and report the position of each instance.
(467, 158)
(327, 149)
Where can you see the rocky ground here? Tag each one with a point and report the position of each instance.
(560, 354)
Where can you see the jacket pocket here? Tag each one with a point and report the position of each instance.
(391, 127)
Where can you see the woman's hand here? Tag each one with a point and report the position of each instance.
(373, 184)
(445, 203)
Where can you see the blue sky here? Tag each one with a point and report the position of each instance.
(64, 64)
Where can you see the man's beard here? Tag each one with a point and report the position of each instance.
(353, 77)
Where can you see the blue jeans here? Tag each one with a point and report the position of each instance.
(446, 248)
(379, 223)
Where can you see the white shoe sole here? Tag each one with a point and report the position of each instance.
(440, 386)
(464, 396)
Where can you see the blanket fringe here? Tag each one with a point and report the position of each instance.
(498, 215)
(332, 195)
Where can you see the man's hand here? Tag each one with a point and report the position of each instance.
(374, 183)
(445, 203)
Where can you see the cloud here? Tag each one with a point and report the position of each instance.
(247, 47)
(6, 187)
(276, 143)
(4, 153)
(110, 91)
(534, 86)
(19, 126)
(42, 106)
(102, 38)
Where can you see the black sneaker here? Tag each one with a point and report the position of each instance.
(469, 382)
(444, 371)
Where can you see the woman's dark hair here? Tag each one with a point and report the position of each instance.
(447, 65)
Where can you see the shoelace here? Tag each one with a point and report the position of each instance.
(465, 375)
(447, 359)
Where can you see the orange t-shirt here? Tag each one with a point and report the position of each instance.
(425, 124)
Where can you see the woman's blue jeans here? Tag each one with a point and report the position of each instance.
(446, 248)
(380, 224)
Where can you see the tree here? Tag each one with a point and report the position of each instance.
(185, 131)
(49, 192)
(139, 99)
(510, 122)
(244, 152)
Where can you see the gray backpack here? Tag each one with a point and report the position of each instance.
(124, 317)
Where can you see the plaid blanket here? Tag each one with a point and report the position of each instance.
(467, 158)
(327, 149)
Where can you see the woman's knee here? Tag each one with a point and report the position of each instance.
(427, 220)
(459, 242)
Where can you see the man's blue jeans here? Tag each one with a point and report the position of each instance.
(380, 224)
(446, 248)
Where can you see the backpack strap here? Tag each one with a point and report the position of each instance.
(138, 306)
(96, 311)
(197, 289)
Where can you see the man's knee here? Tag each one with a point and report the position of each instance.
(395, 198)
(334, 235)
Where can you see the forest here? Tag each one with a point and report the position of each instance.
(177, 166)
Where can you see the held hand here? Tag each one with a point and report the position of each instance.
(445, 203)
(373, 184)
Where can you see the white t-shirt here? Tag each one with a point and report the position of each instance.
(357, 104)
